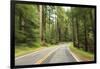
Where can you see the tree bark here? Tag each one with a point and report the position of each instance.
(77, 25)
(85, 33)
(73, 29)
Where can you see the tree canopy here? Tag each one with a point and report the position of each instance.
(53, 24)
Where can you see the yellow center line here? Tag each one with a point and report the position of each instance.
(45, 57)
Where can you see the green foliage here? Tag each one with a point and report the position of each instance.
(83, 22)
(85, 56)
(40, 25)
(26, 24)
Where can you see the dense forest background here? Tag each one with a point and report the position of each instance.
(44, 25)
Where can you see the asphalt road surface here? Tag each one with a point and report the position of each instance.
(57, 54)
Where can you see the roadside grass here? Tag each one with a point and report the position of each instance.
(19, 51)
(25, 49)
(82, 55)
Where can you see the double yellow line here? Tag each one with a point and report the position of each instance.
(46, 56)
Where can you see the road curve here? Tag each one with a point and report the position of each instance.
(56, 54)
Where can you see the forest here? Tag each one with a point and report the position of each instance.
(44, 25)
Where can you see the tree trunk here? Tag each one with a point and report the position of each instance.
(49, 28)
(85, 33)
(73, 29)
(77, 28)
(42, 25)
(20, 21)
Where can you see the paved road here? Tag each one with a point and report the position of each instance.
(56, 54)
